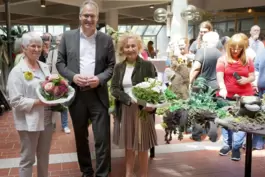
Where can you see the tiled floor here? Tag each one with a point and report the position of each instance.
(61, 142)
(187, 164)
(171, 160)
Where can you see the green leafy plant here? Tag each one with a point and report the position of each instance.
(149, 91)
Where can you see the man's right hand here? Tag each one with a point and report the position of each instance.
(80, 80)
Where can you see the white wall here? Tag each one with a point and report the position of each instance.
(162, 41)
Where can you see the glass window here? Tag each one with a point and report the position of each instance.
(190, 32)
(139, 29)
(123, 28)
(231, 26)
(67, 28)
(152, 29)
(220, 27)
(261, 22)
(40, 29)
(246, 24)
(56, 30)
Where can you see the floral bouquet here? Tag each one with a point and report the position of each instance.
(55, 90)
(149, 93)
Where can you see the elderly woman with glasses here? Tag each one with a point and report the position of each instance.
(234, 61)
(31, 116)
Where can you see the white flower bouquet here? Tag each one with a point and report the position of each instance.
(149, 93)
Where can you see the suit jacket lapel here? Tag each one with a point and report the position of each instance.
(76, 45)
(97, 53)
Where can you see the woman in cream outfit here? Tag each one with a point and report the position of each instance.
(32, 117)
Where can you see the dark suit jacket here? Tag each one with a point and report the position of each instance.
(68, 62)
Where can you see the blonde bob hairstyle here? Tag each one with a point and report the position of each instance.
(123, 41)
(245, 37)
(238, 41)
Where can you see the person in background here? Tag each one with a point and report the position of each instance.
(249, 51)
(224, 41)
(51, 62)
(254, 41)
(31, 116)
(18, 50)
(258, 141)
(131, 132)
(190, 42)
(234, 61)
(205, 27)
(262, 38)
(151, 51)
(144, 53)
(47, 39)
(206, 60)
(205, 66)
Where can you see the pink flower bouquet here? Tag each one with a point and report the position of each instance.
(55, 90)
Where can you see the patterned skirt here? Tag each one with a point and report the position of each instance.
(134, 133)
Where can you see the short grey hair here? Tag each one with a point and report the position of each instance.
(211, 39)
(255, 26)
(30, 37)
(91, 3)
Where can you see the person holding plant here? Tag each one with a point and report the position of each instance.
(31, 116)
(235, 73)
(135, 133)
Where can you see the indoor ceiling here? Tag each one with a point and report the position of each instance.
(66, 11)
(131, 12)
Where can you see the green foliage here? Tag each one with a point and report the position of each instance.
(147, 94)
(170, 96)
(111, 98)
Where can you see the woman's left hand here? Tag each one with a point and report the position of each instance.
(243, 81)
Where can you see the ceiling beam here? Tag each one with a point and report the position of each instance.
(109, 5)
(140, 12)
(76, 3)
(60, 9)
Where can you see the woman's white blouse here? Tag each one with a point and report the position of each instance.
(22, 95)
(127, 79)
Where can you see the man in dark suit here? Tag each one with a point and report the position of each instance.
(86, 57)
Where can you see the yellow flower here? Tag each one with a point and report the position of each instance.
(28, 75)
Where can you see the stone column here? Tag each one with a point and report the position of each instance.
(179, 26)
(112, 18)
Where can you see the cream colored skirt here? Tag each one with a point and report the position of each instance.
(135, 133)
